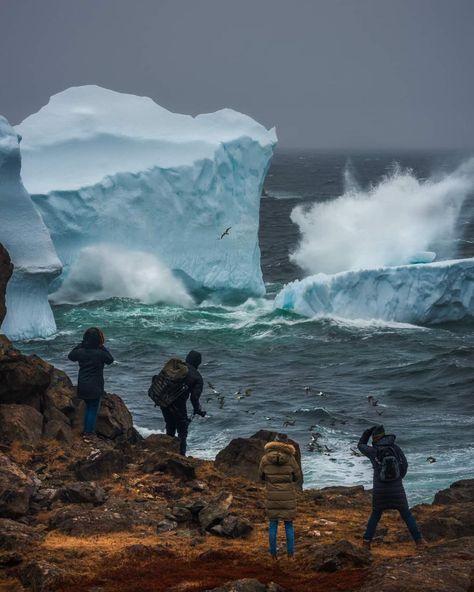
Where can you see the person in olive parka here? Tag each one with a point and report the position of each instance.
(91, 355)
(176, 415)
(281, 473)
(387, 494)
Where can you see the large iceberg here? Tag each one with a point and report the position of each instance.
(106, 168)
(29, 244)
(418, 294)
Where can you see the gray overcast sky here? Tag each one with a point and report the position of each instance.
(327, 73)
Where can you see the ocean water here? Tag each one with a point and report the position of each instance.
(422, 377)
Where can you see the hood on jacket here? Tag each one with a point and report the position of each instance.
(91, 339)
(387, 440)
(194, 358)
(279, 453)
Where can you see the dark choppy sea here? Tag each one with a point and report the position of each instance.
(423, 377)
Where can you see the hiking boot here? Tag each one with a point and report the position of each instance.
(367, 544)
(421, 544)
(274, 557)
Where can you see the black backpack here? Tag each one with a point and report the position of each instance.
(388, 464)
(169, 384)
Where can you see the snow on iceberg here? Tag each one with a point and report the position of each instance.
(128, 172)
(419, 294)
(29, 244)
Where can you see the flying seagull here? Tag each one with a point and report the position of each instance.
(225, 233)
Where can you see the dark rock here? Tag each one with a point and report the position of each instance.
(115, 420)
(233, 527)
(340, 555)
(100, 467)
(17, 536)
(215, 511)
(58, 430)
(6, 270)
(342, 497)
(23, 379)
(196, 507)
(60, 396)
(175, 464)
(458, 492)
(21, 423)
(451, 522)
(82, 492)
(41, 576)
(166, 525)
(241, 457)
(16, 489)
(160, 443)
(9, 559)
(139, 551)
(181, 514)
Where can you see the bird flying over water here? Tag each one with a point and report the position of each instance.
(225, 233)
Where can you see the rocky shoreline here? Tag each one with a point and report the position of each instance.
(130, 514)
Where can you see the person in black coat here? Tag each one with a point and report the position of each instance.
(91, 355)
(176, 415)
(387, 494)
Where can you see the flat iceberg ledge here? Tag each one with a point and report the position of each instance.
(110, 168)
(428, 293)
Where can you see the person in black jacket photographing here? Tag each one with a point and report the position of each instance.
(390, 467)
(91, 355)
(177, 382)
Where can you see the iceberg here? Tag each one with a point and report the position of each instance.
(427, 293)
(107, 168)
(26, 238)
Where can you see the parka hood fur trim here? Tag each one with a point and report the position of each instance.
(281, 447)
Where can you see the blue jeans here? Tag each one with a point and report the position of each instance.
(92, 409)
(290, 537)
(406, 515)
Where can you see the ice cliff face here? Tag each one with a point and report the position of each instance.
(128, 173)
(29, 245)
(418, 294)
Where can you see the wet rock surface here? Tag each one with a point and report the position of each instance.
(6, 270)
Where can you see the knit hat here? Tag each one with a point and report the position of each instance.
(378, 433)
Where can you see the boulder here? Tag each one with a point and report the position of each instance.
(41, 576)
(21, 423)
(451, 522)
(174, 464)
(58, 430)
(241, 457)
(102, 466)
(16, 489)
(215, 511)
(115, 420)
(458, 492)
(6, 270)
(340, 555)
(233, 527)
(82, 492)
(23, 379)
(181, 514)
(59, 396)
(17, 536)
(342, 497)
(160, 443)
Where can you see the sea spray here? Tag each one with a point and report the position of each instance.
(106, 271)
(389, 224)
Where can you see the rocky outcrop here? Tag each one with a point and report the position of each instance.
(22, 423)
(16, 489)
(41, 576)
(241, 457)
(115, 420)
(17, 536)
(248, 585)
(340, 555)
(6, 270)
(458, 493)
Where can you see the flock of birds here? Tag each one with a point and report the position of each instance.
(314, 444)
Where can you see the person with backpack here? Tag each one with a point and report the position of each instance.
(390, 467)
(170, 390)
(282, 475)
(91, 354)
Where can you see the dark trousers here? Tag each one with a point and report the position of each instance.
(406, 515)
(176, 421)
(90, 417)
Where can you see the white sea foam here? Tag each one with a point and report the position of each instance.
(105, 271)
(393, 223)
